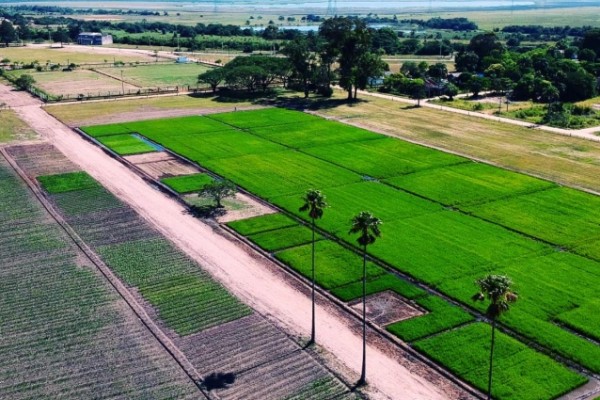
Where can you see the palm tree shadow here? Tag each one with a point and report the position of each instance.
(218, 380)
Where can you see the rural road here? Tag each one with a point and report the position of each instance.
(587, 133)
(392, 373)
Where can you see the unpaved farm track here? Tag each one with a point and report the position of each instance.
(391, 372)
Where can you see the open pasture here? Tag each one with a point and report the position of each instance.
(445, 249)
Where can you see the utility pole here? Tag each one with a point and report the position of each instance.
(122, 84)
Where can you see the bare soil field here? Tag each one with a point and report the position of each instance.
(161, 164)
(80, 81)
(387, 307)
(70, 54)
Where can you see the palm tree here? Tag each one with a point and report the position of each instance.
(314, 203)
(497, 289)
(367, 225)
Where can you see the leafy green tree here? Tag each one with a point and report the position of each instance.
(367, 227)
(218, 190)
(416, 90)
(478, 84)
(438, 71)
(302, 61)
(451, 90)
(212, 77)
(25, 82)
(314, 204)
(7, 32)
(497, 289)
(348, 41)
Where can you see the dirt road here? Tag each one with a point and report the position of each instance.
(257, 282)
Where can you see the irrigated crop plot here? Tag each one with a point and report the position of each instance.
(187, 183)
(445, 249)
(65, 332)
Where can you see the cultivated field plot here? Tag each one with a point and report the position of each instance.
(161, 164)
(197, 312)
(73, 83)
(59, 341)
(159, 75)
(444, 248)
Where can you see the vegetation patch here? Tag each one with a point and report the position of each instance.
(519, 372)
(468, 183)
(313, 133)
(264, 117)
(262, 223)
(335, 265)
(563, 216)
(383, 158)
(284, 238)
(126, 145)
(67, 182)
(187, 183)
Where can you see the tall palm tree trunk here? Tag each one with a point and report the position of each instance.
(363, 374)
(312, 340)
(491, 359)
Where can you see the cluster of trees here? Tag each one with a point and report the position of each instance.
(250, 73)
(544, 74)
(538, 31)
(341, 52)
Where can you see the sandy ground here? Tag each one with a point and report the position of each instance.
(392, 374)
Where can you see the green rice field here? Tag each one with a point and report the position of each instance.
(446, 222)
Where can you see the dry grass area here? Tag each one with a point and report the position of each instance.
(92, 113)
(66, 55)
(12, 128)
(80, 81)
(571, 161)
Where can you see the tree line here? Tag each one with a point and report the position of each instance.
(341, 52)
